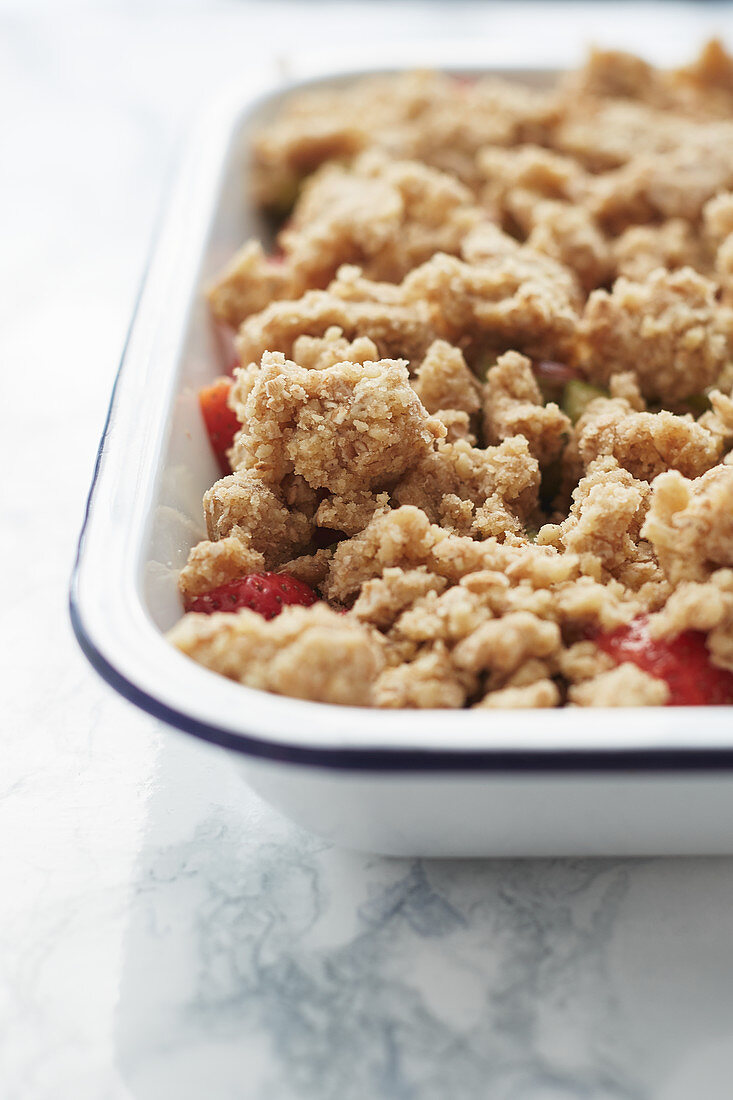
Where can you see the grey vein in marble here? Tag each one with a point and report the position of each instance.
(275, 967)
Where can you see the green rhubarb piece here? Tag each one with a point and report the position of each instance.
(483, 365)
(697, 404)
(577, 396)
(283, 197)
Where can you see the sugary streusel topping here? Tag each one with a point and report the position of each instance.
(485, 391)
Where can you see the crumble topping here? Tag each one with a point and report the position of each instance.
(485, 392)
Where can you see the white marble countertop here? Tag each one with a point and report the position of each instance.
(162, 932)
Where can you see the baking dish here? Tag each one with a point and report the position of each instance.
(651, 780)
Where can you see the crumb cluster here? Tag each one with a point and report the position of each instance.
(469, 531)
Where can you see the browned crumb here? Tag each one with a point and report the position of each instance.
(668, 184)
(382, 600)
(247, 284)
(609, 506)
(664, 329)
(672, 245)
(431, 680)
(424, 116)
(645, 443)
(541, 693)
(457, 425)
(396, 329)
(213, 563)
(350, 514)
(386, 215)
(317, 352)
(583, 661)
(290, 655)
(570, 235)
(690, 523)
(506, 474)
(310, 568)
(527, 169)
(504, 644)
(719, 419)
(513, 406)
(344, 428)
(625, 386)
(718, 218)
(242, 506)
(624, 686)
(604, 134)
(523, 300)
(443, 381)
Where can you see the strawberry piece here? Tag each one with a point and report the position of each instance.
(265, 593)
(463, 81)
(547, 370)
(221, 423)
(682, 662)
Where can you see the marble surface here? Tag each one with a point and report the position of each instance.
(162, 932)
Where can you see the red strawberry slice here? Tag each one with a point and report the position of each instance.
(221, 423)
(265, 593)
(682, 662)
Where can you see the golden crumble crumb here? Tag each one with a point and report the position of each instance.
(609, 506)
(310, 568)
(213, 563)
(541, 693)
(645, 443)
(507, 475)
(527, 169)
(290, 655)
(641, 249)
(430, 680)
(664, 329)
(443, 381)
(247, 284)
(457, 425)
(397, 329)
(241, 505)
(513, 406)
(350, 514)
(624, 686)
(382, 600)
(625, 386)
(570, 234)
(342, 428)
(583, 661)
(504, 644)
(523, 300)
(690, 523)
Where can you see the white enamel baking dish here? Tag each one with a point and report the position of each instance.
(467, 783)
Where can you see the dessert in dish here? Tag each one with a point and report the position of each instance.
(477, 451)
